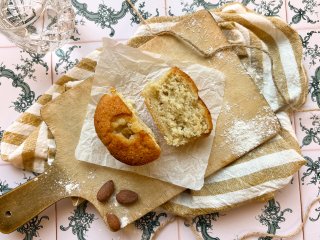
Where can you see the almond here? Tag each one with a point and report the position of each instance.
(126, 197)
(105, 191)
(113, 222)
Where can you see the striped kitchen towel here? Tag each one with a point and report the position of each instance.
(27, 143)
(283, 83)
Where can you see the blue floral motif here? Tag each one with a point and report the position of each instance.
(27, 68)
(192, 7)
(65, 60)
(312, 132)
(203, 224)
(1, 135)
(4, 187)
(23, 71)
(265, 7)
(316, 218)
(108, 17)
(31, 228)
(76, 35)
(148, 223)
(80, 221)
(272, 216)
(306, 13)
(310, 53)
(313, 171)
(314, 87)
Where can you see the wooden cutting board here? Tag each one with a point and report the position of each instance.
(243, 105)
(68, 177)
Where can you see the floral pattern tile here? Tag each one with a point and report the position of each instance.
(313, 98)
(310, 43)
(65, 58)
(84, 222)
(267, 8)
(27, 75)
(150, 223)
(116, 19)
(310, 188)
(311, 58)
(308, 130)
(81, 222)
(179, 8)
(303, 14)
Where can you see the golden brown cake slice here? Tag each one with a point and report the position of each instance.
(127, 138)
(176, 108)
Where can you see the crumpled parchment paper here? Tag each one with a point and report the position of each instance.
(129, 70)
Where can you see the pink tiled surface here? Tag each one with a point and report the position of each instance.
(73, 53)
(303, 14)
(63, 221)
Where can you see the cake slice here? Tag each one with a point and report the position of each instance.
(124, 134)
(176, 108)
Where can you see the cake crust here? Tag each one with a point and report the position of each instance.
(193, 86)
(122, 133)
(166, 92)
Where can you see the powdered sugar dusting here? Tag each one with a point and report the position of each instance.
(68, 185)
(71, 186)
(264, 80)
(124, 221)
(244, 135)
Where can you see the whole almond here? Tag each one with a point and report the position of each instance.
(105, 191)
(113, 222)
(126, 197)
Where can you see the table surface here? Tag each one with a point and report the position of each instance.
(62, 221)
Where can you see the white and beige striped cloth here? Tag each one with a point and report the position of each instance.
(28, 144)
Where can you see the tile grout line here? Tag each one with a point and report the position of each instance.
(10, 46)
(286, 10)
(310, 150)
(315, 109)
(302, 151)
(56, 212)
(165, 8)
(301, 200)
(306, 28)
(51, 57)
(305, 151)
(178, 222)
(301, 203)
(89, 41)
(96, 41)
(308, 110)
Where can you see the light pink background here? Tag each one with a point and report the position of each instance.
(295, 196)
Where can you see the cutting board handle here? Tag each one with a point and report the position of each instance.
(26, 201)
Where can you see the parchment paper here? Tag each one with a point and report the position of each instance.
(129, 70)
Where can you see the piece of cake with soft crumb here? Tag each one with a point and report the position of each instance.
(176, 108)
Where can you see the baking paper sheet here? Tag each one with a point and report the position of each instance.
(129, 70)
